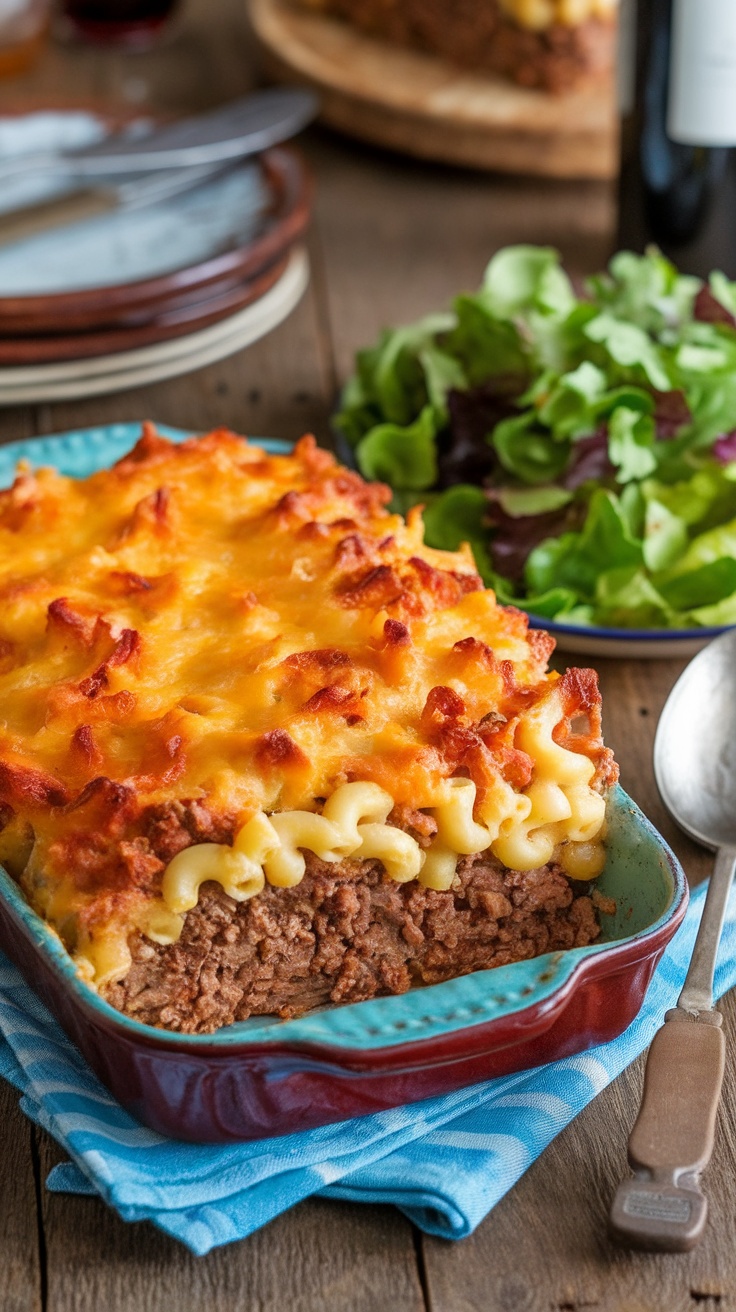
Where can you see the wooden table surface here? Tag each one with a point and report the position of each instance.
(390, 240)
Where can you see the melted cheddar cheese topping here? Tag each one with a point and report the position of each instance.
(204, 648)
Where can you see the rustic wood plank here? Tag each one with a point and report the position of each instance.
(21, 1270)
(401, 238)
(15, 425)
(321, 1255)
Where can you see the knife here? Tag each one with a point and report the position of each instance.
(89, 202)
(243, 127)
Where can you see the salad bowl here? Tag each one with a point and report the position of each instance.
(583, 445)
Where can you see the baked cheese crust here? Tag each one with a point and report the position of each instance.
(250, 634)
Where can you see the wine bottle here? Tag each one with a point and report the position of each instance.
(677, 86)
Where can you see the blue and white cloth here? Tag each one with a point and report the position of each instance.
(445, 1162)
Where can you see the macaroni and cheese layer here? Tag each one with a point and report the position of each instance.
(262, 749)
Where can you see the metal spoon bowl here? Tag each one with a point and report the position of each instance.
(695, 746)
(663, 1206)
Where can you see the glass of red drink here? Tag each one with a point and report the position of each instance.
(135, 23)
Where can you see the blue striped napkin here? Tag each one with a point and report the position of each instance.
(445, 1162)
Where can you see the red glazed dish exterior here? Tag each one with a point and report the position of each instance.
(250, 1091)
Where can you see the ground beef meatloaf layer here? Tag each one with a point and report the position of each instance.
(345, 934)
(554, 45)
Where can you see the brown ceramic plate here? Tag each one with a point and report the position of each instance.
(161, 326)
(111, 306)
(72, 379)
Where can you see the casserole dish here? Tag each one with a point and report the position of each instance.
(266, 1075)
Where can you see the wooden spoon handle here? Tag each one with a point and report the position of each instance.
(663, 1207)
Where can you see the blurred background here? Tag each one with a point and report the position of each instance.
(392, 236)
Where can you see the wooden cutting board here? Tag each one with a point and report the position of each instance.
(425, 106)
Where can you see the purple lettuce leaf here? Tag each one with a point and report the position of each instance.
(708, 309)
(589, 460)
(465, 454)
(514, 537)
(724, 448)
(671, 413)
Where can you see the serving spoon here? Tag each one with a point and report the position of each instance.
(663, 1206)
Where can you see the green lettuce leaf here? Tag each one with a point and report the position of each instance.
(631, 444)
(665, 537)
(398, 384)
(575, 560)
(484, 345)
(632, 505)
(569, 408)
(705, 586)
(712, 401)
(626, 598)
(522, 501)
(695, 359)
(723, 612)
(646, 290)
(457, 516)
(629, 346)
(634, 398)
(442, 374)
(556, 604)
(703, 500)
(404, 457)
(526, 451)
(558, 342)
(356, 415)
(706, 548)
(724, 290)
(390, 381)
(520, 278)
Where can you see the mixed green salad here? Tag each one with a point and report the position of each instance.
(585, 447)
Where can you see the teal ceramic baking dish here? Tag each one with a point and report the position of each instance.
(268, 1076)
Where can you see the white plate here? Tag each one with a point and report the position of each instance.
(123, 247)
(148, 364)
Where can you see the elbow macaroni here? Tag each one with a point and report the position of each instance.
(559, 812)
(564, 807)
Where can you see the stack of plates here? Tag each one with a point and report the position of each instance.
(133, 297)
